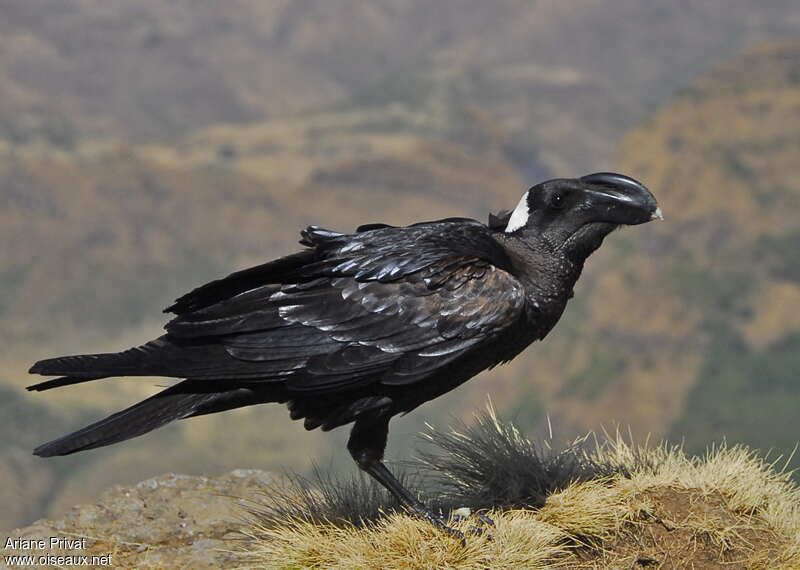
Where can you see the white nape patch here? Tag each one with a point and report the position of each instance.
(519, 217)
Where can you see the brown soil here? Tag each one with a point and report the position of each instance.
(682, 529)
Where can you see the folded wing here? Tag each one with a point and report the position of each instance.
(390, 305)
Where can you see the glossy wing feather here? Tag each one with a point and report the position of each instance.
(389, 305)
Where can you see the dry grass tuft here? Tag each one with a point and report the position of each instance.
(399, 541)
(610, 505)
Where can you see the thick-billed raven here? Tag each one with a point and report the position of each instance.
(357, 328)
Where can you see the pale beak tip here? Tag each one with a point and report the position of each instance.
(657, 215)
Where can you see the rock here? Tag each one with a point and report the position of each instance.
(170, 521)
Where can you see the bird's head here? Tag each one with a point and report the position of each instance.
(575, 214)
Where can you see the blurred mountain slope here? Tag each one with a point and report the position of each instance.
(724, 156)
(564, 79)
(717, 279)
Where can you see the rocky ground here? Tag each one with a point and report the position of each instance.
(191, 521)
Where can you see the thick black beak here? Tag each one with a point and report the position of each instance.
(619, 199)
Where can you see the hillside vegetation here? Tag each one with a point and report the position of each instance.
(727, 510)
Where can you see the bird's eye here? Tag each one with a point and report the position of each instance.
(557, 201)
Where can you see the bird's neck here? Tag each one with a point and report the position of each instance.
(547, 274)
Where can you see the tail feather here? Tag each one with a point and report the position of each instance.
(186, 399)
(171, 404)
(58, 382)
(164, 356)
(136, 361)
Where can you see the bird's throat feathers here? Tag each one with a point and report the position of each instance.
(548, 275)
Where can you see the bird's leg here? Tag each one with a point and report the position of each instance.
(366, 445)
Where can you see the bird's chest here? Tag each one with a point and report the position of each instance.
(543, 310)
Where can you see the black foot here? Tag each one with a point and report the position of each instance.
(438, 522)
(484, 519)
(460, 515)
(478, 531)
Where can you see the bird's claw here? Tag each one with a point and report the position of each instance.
(484, 519)
(439, 522)
(455, 517)
(477, 531)
(460, 515)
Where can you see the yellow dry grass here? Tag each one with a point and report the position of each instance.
(729, 509)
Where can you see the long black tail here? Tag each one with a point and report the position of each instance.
(164, 356)
(85, 367)
(186, 399)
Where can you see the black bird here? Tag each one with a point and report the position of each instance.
(357, 328)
